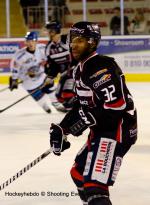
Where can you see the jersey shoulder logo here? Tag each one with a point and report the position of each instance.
(105, 78)
(98, 73)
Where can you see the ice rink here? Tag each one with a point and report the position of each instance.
(24, 135)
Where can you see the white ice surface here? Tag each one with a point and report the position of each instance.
(24, 136)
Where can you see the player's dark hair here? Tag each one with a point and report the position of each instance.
(56, 26)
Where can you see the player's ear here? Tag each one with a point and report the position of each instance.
(93, 45)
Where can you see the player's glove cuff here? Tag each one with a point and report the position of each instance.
(87, 117)
(58, 140)
(13, 83)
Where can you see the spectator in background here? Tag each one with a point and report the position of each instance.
(138, 24)
(115, 24)
(25, 4)
(60, 8)
(29, 2)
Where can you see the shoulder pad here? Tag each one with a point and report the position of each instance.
(48, 44)
(21, 52)
(96, 66)
(106, 58)
(41, 45)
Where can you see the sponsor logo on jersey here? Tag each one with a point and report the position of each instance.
(83, 102)
(29, 60)
(88, 164)
(117, 165)
(105, 78)
(34, 69)
(133, 132)
(103, 160)
(98, 73)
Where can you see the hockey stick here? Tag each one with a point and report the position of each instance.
(6, 108)
(4, 89)
(8, 87)
(25, 169)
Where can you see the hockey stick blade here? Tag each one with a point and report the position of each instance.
(25, 169)
(6, 108)
(4, 89)
(8, 87)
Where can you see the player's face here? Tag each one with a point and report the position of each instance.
(79, 48)
(31, 45)
(53, 36)
(51, 33)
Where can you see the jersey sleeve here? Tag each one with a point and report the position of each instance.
(15, 66)
(42, 49)
(72, 123)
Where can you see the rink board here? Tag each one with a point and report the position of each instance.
(130, 52)
(130, 77)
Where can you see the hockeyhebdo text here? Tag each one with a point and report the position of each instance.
(52, 194)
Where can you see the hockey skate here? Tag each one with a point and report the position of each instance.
(48, 111)
(45, 107)
(59, 107)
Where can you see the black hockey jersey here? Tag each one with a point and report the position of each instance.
(58, 56)
(101, 90)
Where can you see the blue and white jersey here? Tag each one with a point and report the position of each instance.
(29, 67)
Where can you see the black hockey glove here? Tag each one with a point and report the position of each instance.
(58, 140)
(72, 122)
(13, 83)
(87, 117)
(51, 68)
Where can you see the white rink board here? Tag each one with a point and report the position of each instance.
(24, 136)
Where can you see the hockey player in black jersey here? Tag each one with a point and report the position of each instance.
(105, 106)
(59, 62)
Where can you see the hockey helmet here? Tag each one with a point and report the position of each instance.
(53, 26)
(31, 36)
(86, 29)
